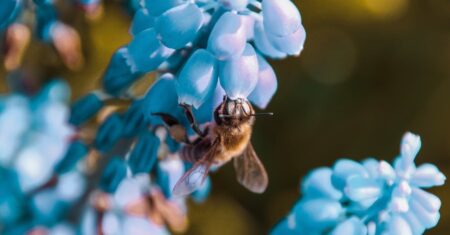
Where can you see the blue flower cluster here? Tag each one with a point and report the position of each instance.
(371, 197)
(34, 137)
(209, 47)
(15, 23)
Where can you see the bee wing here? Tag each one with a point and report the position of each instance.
(196, 176)
(191, 180)
(250, 171)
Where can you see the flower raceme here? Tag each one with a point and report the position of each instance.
(368, 198)
(207, 45)
(200, 51)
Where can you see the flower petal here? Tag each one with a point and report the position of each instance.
(263, 44)
(142, 20)
(427, 218)
(345, 168)
(281, 17)
(239, 76)
(291, 44)
(197, 79)
(146, 52)
(318, 184)
(228, 37)
(359, 188)
(267, 84)
(176, 33)
(429, 201)
(427, 175)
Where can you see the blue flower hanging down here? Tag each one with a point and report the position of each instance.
(371, 197)
(204, 43)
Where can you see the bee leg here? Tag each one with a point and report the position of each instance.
(192, 121)
(176, 130)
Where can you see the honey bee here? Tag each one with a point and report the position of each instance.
(226, 138)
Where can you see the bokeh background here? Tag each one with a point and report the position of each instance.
(370, 71)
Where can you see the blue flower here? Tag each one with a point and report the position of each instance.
(371, 197)
(204, 41)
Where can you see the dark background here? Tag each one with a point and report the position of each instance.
(370, 71)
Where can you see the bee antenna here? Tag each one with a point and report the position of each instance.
(262, 114)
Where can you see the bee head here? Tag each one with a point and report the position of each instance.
(234, 112)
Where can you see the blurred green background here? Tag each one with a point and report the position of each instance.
(370, 71)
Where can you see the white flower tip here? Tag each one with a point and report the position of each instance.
(399, 205)
(440, 179)
(385, 169)
(405, 188)
(410, 146)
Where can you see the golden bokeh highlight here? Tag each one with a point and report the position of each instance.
(387, 8)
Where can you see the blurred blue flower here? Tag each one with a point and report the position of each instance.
(371, 197)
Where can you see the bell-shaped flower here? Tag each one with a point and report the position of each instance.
(267, 84)
(135, 119)
(157, 7)
(228, 38)
(175, 33)
(409, 149)
(197, 78)
(291, 44)
(263, 44)
(281, 17)
(146, 52)
(144, 154)
(109, 133)
(239, 75)
(161, 98)
(142, 20)
(77, 151)
(112, 175)
(120, 73)
(85, 108)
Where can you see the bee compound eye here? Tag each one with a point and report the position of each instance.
(246, 108)
(231, 106)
